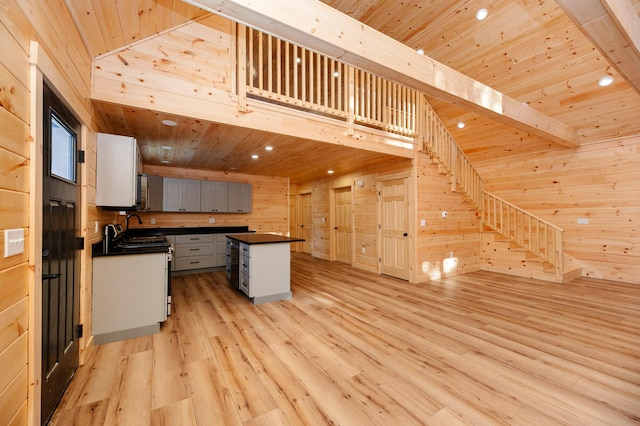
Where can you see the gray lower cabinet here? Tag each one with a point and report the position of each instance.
(198, 251)
(239, 199)
(180, 195)
(213, 196)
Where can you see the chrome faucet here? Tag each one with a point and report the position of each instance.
(127, 220)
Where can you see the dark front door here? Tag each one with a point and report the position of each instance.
(60, 260)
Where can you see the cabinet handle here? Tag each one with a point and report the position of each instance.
(194, 262)
(196, 249)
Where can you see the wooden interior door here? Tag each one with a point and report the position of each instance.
(306, 221)
(394, 228)
(60, 255)
(343, 225)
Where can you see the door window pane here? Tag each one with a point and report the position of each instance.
(63, 150)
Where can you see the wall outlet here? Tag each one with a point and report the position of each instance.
(212, 220)
(13, 242)
(445, 214)
(423, 222)
(363, 250)
(153, 220)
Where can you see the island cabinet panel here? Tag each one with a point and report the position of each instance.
(259, 272)
(213, 196)
(181, 195)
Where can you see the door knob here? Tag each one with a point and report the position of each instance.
(405, 234)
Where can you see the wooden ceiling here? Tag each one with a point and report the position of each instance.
(531, 51)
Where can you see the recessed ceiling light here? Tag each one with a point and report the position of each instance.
(268, 148)
(336, 74)
(482, 14)
(254, 156)
(169, 123)
(605, 81)
(420, 51)
(166, 147)
(330, 172)
(461, 125)
(298, 60)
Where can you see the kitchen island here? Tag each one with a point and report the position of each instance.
(263, 266)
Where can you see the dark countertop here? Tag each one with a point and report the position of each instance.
(97, 249)
(263, 238)
(145, 232)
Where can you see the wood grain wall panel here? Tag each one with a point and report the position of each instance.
(14, 322)
(15, 286)
(15, 32)
(365, 211)
(14, 134)
(12, 360)
(14, 172)
(14, 95)
(14, 209)
(597, 182)
(57, 33)
(13, 399)
(445, 246)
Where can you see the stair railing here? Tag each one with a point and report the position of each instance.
(534, 234)
(282, 72)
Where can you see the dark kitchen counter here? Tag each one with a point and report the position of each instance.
(263, 238)
(97, 249)
(146, 232)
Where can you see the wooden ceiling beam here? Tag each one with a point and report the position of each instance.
(614, 28)
(319, 27)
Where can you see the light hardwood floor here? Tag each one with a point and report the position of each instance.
(354, 348)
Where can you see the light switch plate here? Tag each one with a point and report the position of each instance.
(13, 242)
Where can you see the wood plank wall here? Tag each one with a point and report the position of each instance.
(365, 218)
(21, 22)
(270, 208)
(445, 245)
(598, 182)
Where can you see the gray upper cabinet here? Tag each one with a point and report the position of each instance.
(154, 193)
(239, 197)
(181, 195)
(213, 196)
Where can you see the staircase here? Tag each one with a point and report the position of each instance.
(514, 241)
(274, 69)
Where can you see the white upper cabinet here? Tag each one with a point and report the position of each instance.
(118, 165)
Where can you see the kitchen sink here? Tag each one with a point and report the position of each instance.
(143, 242)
